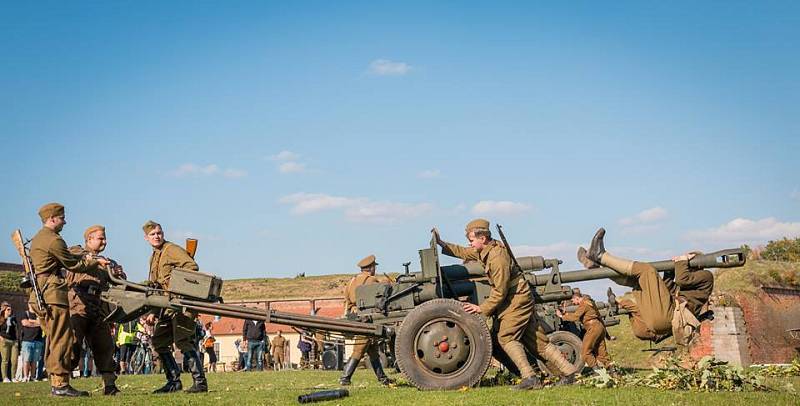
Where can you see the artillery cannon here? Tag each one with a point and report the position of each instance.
(437, 344)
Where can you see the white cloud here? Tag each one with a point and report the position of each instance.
(285, 156)
(287, 162)
(385, 67)
(429, 174)
(190, 169)
(741, 230)
(487, 207)
(355, 209)
(643, 222)
(291, 167)
(645, 216)
(795, 194)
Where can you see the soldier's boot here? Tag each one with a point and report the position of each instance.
(349, 369)
(529, 383)
(375, 363)
(584, 260)
(171, 371)
(516, 352)
(60, 387)
(110, 384)
(597, 247)
(199, 383)
(568, 371)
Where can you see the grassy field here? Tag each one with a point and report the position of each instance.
(274, 388)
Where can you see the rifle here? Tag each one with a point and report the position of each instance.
(191, 246)
(29, 276)
(514, 262)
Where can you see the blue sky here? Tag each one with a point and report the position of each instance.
(301, 137)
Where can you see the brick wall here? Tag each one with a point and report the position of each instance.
(768, 316)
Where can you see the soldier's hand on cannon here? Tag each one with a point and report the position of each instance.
(436, 236)
(102, 261)
(471, 308)
(685, 257)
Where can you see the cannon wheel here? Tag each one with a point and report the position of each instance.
(570, 345)
(440, 346)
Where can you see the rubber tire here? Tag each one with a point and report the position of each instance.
(474, 327)
(563, 338)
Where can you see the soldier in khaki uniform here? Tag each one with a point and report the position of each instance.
(278, 349)
(660, 307)
(593, 348)
(510, 304)
(173, 327)
(49, 257)
(86, 317)
(363, 344)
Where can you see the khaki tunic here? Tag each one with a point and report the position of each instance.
(49, 255)
(510, 300)
(86, 316)
(654, 303)
(362, 345)
(694, 285)
(593, 347)
(278, 349)
(172, 327)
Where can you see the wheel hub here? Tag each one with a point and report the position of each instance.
(442, 346)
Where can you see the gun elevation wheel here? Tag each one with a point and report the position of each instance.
(570, 346)
(440, 346)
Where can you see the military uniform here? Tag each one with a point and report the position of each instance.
(510, 303)
(86, 317)
(655, 300)
(174, 326)
(50, 257)
(362, 344)
(278, 349)
(593, 348)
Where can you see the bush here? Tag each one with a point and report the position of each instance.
(782, 250)
(9, 282)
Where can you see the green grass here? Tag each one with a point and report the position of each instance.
(757, 273)
(272, 388)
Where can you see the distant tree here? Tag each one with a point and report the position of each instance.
(782, 250)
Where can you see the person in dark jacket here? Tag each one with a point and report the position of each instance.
(253, 332)
(9, 341)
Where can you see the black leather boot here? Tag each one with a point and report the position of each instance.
(566, 380)
(68, 391)
(375, 363)
(349, 369)
(199, 383)
(529, 383)
(171, 371)
(597, 248)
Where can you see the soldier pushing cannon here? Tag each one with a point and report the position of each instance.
(430, 318)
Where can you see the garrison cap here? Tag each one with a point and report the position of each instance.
(149, 226)
(91, 229)
(477, 223)
(367, 261)
(51, 210)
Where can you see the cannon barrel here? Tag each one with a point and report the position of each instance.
(729, 258)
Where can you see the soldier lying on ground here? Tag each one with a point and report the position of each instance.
(660, 307)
